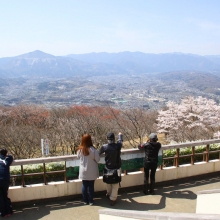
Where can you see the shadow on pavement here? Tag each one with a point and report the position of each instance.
(128, 199)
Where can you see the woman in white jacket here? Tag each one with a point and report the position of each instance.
(88, 169)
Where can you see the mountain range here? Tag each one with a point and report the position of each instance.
(40, 64)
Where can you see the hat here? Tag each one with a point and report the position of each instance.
(110, 136)
(3, 152)
(153, 136)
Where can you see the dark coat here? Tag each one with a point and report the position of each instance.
(151, 151)
(112, 155)
(5, 162)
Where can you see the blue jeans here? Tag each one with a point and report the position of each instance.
(88, 190)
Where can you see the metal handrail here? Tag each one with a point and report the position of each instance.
(175, 158)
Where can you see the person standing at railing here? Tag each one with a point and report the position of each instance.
(5, 202)
(151, 147)
(88, 169)
(112, 170)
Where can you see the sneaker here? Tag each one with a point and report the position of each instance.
(112, 203)
(152, 192)
(85, 203)
(146, 192)
(91, 203)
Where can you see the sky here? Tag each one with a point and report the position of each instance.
(83, 26)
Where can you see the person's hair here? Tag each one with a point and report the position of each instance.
(153, 140)
(86, 142)
(152, 137)
(3, 152)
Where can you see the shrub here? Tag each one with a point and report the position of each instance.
(187, 151)
(37, 168)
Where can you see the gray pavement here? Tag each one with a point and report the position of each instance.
(178, 196)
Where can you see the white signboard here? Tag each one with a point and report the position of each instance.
(45, 147)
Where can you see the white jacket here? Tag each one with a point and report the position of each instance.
(88, 169)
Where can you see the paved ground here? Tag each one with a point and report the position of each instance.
(178, 197)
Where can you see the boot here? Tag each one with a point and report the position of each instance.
(152, 185)
(146, 188)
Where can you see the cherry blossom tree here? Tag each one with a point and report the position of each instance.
(192, 119)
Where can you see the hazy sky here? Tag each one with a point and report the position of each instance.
(82, 26)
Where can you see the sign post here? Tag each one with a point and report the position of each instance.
(42, 146)
(45, 147)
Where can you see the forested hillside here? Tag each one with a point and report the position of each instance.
(23, 127)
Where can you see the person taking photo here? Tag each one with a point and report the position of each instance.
(151, 148)
(112, 170)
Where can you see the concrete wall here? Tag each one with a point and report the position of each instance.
(211, 197)
(59, 189)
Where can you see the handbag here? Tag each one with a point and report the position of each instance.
(111, 176)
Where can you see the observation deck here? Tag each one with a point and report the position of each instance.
(177, 189)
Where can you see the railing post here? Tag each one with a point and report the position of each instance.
(207, 153)
(45, 181)
(22, 176)
(13, 181)
(193, 156)
(177, 156)
(65, 177)
(161, 166)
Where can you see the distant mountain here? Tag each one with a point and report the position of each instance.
(214, 58)
(145, 62)
(3, 82)
(40, 64)
(202, 81)
(37, 54)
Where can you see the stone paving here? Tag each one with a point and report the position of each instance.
(179, 196)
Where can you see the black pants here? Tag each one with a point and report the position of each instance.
(4, 207)
(149, 167)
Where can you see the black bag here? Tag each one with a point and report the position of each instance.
(110, 176)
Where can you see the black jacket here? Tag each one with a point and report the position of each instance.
(112, 155)
(5, 162)
(151, 151)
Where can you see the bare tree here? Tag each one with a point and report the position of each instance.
(135, 124)
(21, 129)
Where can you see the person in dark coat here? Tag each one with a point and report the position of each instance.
(151, 147)
(112, 152)
(5, 162)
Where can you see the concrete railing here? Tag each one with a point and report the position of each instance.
(131, 159)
